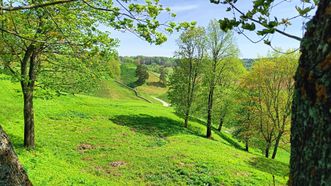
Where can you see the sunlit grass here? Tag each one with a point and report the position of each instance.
(84, 140)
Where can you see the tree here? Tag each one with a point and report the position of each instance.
(253, 85)
(271, 85)
(38, 33)
(142, 74)
(163, 76)
(220, 47)
(225, 92)
(310, 131)
(281, 90)
(187, 73)
(245, 117)
(311, 118)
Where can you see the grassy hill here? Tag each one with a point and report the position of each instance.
(150, 89)
(120, 140)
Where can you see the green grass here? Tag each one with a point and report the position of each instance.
(85, 140)
(128, 73)
(111, 89)
(152, 87)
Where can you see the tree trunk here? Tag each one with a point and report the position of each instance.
(28, 78)
(311, 119)
(246, 146)
(267, 149)
(187, 115)
(220, 124)
(11, 172)
(279, 136)
(29, 141)
(211, 100)
(210, 110)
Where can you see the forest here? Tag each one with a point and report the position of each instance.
(80, 106)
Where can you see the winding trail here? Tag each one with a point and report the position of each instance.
(163, 102)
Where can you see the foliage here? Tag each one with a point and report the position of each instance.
(142, 74)
(161, 61)
(267, 97)
(55, 37)
(226, 89)
(259, 17)
(163, 76)
(220, 49)
(184, 80)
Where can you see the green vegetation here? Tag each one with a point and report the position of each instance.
(40, 44)
(206, 81)
(97, 141)
(152, 87)
(142, 74)
(96, 126)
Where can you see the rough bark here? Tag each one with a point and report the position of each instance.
(311, 118)
(11, 172)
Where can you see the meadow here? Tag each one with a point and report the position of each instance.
(122, 140)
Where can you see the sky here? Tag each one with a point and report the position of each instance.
(203, 11)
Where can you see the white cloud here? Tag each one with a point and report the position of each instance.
(184, 8)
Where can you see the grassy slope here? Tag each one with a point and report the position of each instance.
(150, 89)
(111, 89)
(98, 141)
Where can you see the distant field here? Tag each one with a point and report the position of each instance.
(84, 140)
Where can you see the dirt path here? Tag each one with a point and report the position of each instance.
(163, 102)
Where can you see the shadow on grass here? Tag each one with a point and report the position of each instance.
(225, 137)
(228, 139)
(154, 126)
(270, 166)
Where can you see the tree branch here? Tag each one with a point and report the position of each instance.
(36, 5)
(256, 21)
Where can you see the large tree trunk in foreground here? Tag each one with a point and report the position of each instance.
(311, 119)
(11, 172)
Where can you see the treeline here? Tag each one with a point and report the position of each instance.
(210, 82)
(146, 60)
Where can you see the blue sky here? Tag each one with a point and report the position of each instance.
(203, 11)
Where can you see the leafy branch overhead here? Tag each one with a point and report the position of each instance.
(259, 18)
(140, 18)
